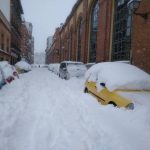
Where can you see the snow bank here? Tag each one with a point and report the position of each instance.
(23, 65)
(1, 79)
(117, 75)
(55, 114)
(6, 68)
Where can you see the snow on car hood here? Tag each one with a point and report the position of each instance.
(118, 76)
(138, 98)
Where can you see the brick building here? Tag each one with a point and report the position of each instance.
(5, 31)
(48, 46)
(16, 21)
(104, 30)
(53, 52)
(27, 42)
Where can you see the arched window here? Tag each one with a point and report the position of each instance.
(121, 45)
(80, 29)
(93, 31)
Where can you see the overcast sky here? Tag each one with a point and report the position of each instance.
(45, 15)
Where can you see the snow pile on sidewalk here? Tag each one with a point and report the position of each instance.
(6, 68)
(23, 65)
(117, 75)
(55, 114)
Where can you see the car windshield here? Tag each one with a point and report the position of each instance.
(75, 64)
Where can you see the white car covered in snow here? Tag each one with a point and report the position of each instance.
(23, 66)
(70, 69)
(8, 72)
(54, 68)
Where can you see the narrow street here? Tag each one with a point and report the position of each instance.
(40, 111)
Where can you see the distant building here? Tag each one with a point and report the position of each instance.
(49, 43)
(32, 50)
(16, 21)
(39, 58)
(5, 30)
(27, 42)
(52, 53)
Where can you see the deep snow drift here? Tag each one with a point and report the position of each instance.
(40, 111)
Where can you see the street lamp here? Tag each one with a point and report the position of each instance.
(133, 5)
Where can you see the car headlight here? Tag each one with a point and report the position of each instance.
(130, 106)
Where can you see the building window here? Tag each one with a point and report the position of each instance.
(80, 30)
(2, 41)
(122, 31)
(7, 45)
(93, 31)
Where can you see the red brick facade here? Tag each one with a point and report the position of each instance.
(5, 38)
(67, 35)
(26, 41)
(141, 38)
(16, 21)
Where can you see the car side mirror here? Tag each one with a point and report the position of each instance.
(102, 84)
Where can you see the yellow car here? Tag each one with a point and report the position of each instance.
(105, 97)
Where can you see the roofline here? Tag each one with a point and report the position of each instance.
(20, 6)
(71, 13)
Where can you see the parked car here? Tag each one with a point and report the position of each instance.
(22, 66)
(8, 72)
(50, 67)
(89, 65)
(15, 73)
(54, 68)
(112, 83)
(70, 69)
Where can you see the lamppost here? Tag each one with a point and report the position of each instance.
(133, 5)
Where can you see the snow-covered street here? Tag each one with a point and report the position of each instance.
(40, 111)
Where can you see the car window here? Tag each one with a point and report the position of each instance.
(74, 64)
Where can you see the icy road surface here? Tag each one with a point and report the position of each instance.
(40, 111)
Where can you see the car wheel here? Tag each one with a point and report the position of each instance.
(112, 103)
(86, 90)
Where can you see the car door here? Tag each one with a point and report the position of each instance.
(92, 87)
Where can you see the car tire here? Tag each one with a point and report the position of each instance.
(112, 103)
(86, 90)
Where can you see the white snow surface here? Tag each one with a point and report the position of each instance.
(23, 65)
(6, 69)
(117, 75)
(40, 111)
(76, 69)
